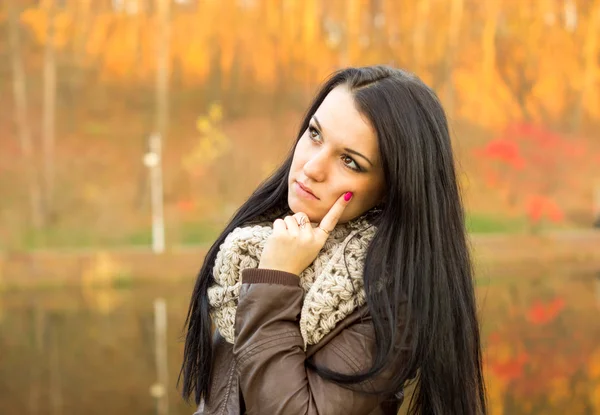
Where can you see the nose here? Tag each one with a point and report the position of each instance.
(315, 167)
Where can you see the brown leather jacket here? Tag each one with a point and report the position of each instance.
(264, 371)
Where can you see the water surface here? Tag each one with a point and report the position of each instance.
(91, 350)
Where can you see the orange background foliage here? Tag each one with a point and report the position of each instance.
(494, 64)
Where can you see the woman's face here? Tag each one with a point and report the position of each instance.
(338, 153)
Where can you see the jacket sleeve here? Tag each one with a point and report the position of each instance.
(270, 356)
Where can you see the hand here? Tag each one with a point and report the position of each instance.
(291, 247)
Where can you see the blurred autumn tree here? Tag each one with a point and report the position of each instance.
(493, 63)
(535, 169)
(503, 54)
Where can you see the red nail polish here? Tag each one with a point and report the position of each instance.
(348, 196)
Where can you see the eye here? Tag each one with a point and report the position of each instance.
(347, 159)
(313, 133)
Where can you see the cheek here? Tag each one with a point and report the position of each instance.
(364, 190)
(300, 154)
(367, 194)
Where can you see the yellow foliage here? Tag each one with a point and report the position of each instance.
(203, 125)
(99, 31)
(215, 112)
(101, 271)
(595, 397)
(212, 144)
(511, 57)
(195, 62)
(473, 96)
(496, 391)
(97, 283)
(559, 390)
(594, 365)
(120, 56)
(265, 70)
(228, 51)
(37, 20)
(63, 24)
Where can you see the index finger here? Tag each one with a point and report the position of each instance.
(335, 213)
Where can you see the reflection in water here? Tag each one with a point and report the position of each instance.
(542, 347)
(98, 283)
(39, 325)
(66, 351)
(56, 393)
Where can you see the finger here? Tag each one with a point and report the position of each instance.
(301, 218)
(279, 226)
(303, 221)
(292, 225)
(335, 213)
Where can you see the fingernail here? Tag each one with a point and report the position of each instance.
(348, 196)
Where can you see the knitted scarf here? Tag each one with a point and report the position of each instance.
(332, 284)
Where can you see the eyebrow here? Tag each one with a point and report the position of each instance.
(348, 150)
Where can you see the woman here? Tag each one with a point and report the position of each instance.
(346, 275)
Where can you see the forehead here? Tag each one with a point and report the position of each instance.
(344, 126)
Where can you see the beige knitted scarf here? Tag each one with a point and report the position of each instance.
(332, 284)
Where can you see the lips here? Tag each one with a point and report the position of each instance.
(306, 189)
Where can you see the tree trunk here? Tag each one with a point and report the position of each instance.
(162, 113)
(162, 68)
(49, 112)
(23, 131)
(163, 11)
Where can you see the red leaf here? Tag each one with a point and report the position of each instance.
(540, 313)
(512, 368)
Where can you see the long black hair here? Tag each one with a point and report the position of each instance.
(419, 253)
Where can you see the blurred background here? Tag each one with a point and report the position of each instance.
(131, 130)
